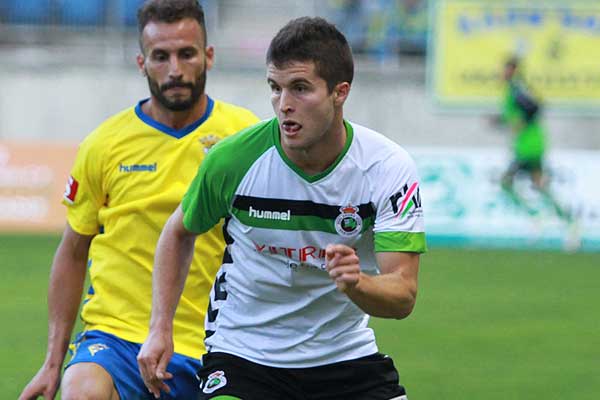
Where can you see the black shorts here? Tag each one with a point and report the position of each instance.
(526, 166)
(373, 377)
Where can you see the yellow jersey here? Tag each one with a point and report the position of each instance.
(129, 176)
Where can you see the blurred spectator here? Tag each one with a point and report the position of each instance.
(412, 20)
(77, 12)
(348, 16)
(28, 11)
(381, 28)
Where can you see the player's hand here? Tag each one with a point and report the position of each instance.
(343, 266)
(153, 358)
(44, 383)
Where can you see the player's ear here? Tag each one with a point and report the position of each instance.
(140, 61)
(210, 56)
(341, 92)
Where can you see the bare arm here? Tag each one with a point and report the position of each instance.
(64, 296)
(392, 294)
(172, 260)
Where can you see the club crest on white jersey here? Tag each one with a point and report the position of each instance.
(348, 223)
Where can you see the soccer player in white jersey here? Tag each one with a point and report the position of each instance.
(324, 227)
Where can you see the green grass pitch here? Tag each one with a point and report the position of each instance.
(488, 324)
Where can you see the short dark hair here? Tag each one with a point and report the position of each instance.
(513, 61)
(170, 11)
(314, 39)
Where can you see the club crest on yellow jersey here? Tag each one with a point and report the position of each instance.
(208, 142)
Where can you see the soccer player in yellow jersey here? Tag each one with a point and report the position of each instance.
(129, 176)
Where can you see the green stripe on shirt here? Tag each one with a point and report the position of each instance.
(400, 241)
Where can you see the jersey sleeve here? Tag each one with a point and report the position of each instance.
(210, 196)
(246, 118)
(206, 200)
(399, 224)
(84, 193)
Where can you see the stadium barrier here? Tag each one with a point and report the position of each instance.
(465, 205)
(32, 183)
(460, 191)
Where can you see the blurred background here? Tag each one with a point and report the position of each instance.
(428, 75)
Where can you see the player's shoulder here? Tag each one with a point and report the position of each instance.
(372, 148)
(249, 139)
(243, 147)
(229, 110)
(112, 126)
(101, 138)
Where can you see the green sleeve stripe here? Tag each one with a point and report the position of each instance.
(400, 241)
(407, 208)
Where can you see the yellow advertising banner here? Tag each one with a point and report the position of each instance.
(32, 182)
(557, 41)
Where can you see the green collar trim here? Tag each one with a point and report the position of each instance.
(300, 172)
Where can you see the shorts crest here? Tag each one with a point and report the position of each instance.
(214, 381)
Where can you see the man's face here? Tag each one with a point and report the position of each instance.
(508, 72)
(175, 62)
(304, 107)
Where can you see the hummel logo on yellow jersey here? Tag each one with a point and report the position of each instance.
(138, 167)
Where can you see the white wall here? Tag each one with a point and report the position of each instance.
(64, 104)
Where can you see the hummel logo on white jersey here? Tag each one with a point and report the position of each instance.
(266, 214)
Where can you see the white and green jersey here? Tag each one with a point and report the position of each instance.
(273, 301)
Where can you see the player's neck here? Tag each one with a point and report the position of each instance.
(321, 155)
(175, 119)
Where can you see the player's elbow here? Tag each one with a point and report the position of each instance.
(403, 312)
(405, 305)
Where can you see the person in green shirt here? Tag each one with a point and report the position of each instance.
(521, 114)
